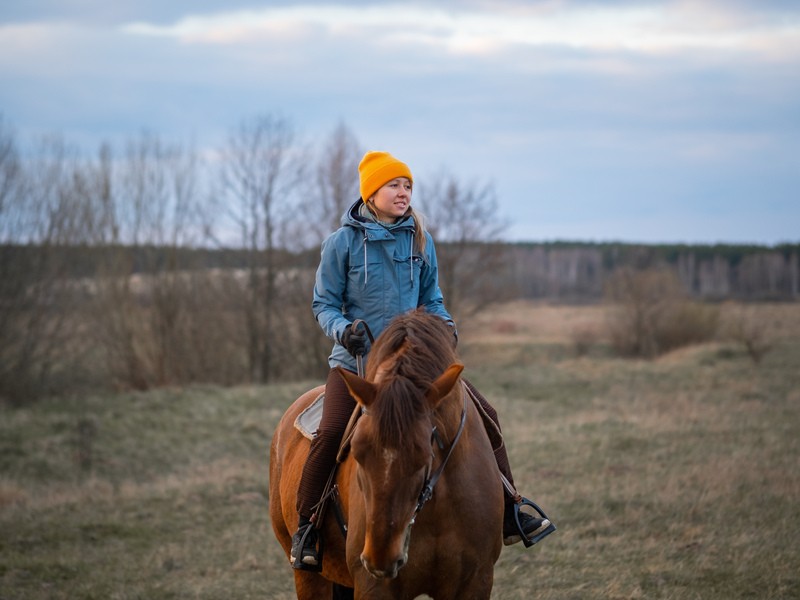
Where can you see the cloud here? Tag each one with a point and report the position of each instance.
(103, 13)
(615, 115)
(640, 27)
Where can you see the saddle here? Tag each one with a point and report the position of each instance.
(307, 423)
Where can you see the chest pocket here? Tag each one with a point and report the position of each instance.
(364, 263)
(408, 270)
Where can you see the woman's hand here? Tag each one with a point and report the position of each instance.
(355, 342)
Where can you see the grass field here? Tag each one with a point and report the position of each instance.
(672, 478)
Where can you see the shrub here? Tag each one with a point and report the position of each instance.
(743, 327)
(686, 323)
(654, 314)
(584, 337)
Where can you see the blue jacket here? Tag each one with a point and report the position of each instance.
(372, 272)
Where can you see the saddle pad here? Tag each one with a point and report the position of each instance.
(307, 422)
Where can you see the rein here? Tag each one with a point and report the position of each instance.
(360, 357)
(430, 482)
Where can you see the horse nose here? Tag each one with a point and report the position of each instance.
(391, 570)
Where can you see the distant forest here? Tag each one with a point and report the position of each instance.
(575, 271)
(553, 271)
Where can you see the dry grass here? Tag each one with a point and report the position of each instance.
(672, 478)
(528, 322)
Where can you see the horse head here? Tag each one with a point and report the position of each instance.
(392, 446)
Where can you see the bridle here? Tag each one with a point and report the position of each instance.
(426, 493)
(430, 479)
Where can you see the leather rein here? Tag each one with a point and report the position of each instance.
(430, 480)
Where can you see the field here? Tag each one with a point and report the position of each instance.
(672, 478)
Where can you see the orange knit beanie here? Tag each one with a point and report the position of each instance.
(376, 168)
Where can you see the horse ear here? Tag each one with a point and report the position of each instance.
(362, 390)
(444, 384)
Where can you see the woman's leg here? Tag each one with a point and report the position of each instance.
(336, 412)
(500, 454)
(522, 523)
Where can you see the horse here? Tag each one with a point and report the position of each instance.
(419, 488)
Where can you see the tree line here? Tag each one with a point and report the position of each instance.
(580, 272)
(552, 271)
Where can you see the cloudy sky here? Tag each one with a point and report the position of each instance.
(646, 121)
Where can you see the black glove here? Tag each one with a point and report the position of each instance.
(355, 342)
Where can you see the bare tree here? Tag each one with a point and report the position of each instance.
(260, 168)
(10, 184)
(333, 185)
(149, 213)
(13, 284)
(463, 217)
(40, 217)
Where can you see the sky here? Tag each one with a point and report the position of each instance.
(646, 121)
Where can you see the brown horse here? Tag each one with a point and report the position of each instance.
(420, 489)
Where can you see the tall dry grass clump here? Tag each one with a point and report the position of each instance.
(653, 313)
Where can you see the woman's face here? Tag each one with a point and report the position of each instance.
(391, 201)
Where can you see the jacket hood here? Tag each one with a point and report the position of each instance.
(352, 218)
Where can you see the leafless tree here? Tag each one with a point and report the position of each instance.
(260, 170)
(464, 218)
(40, 216)
(332, 186)
(148, 213)
(10, 185)
(12, 282)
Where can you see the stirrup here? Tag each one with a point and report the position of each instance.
(298, 560)
(539, 536)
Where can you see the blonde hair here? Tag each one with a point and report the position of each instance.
(419, 230)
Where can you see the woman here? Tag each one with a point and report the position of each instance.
(380, 263)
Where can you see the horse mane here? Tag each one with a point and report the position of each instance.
(411, 353)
